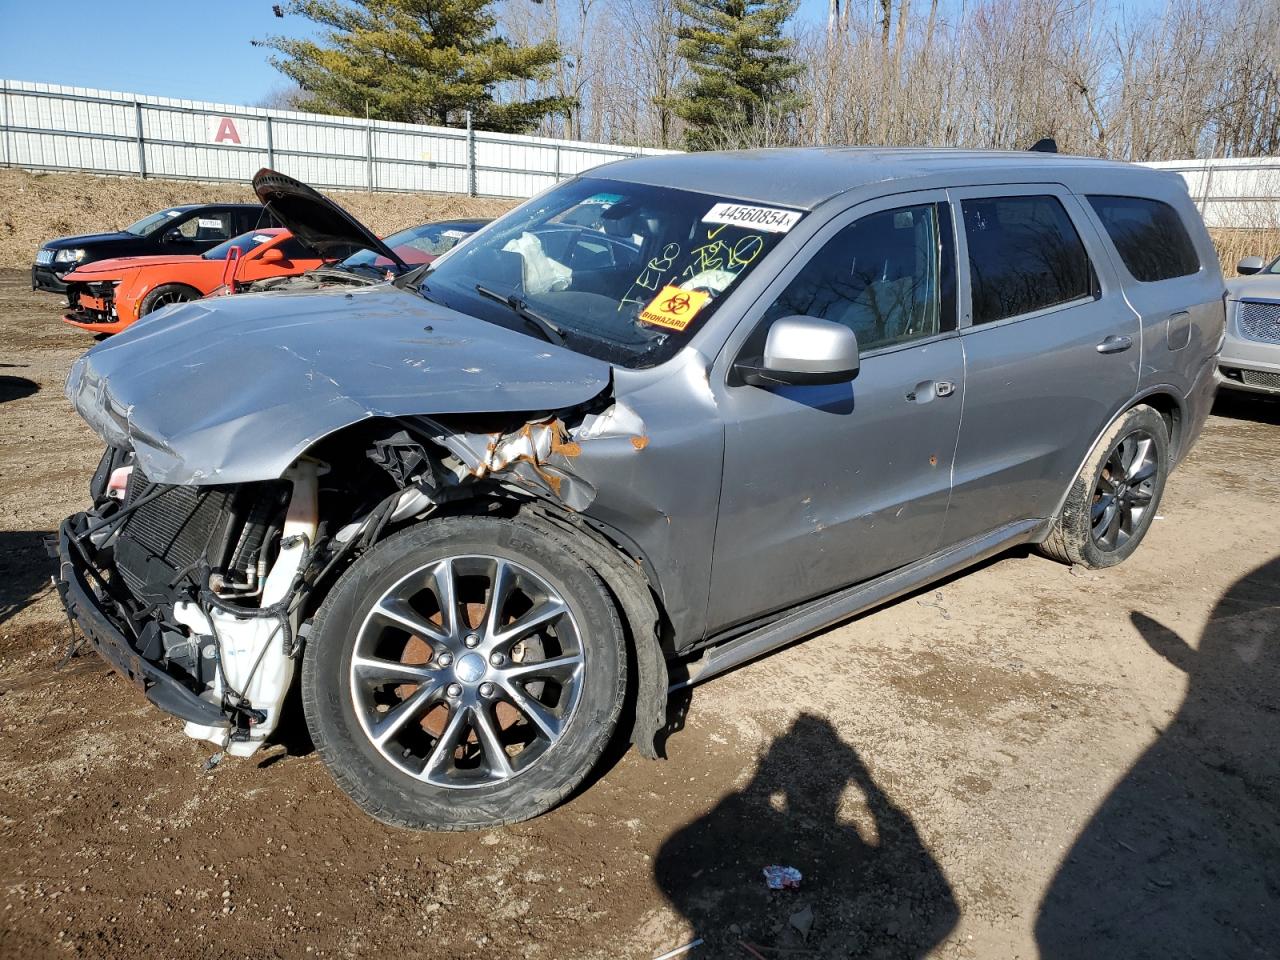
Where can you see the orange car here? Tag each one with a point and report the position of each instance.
(108, 295)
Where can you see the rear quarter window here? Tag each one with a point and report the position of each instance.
(1148, 235)
(1024, 256)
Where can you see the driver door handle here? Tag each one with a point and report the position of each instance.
(926, 391)
(1114, 344)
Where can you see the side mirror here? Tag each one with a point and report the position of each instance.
(272, 255)
(1250, 265)
(174, 236)
(803, 350)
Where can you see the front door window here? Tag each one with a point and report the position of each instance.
(889, 277)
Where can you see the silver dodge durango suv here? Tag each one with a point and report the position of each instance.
(661, 419)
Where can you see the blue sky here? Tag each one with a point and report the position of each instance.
(196, 49)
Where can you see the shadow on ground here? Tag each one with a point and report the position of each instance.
(1183, 858)
(875, 895)
(15, 388)
(25, 569)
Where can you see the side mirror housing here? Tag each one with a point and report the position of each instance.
(174, 236)
(1250, 265)
(272, 255)
(803, 351)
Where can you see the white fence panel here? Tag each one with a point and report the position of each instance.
(52, 127)
(1242, 192)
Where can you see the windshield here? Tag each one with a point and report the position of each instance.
(415, 246)
(244, 243)
(152, 222)
(1275, 266)
(625, 272)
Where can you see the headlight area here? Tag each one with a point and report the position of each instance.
(198, 594)
(92, 303)
(69, 255)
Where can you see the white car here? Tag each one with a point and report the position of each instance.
(1251, 354)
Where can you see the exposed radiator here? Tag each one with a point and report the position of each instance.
(170, 533)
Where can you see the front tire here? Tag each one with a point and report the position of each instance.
(1114, 498)
(436, 706)
(166, 294)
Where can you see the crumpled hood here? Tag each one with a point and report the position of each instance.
(235, 389)
(1262, 286)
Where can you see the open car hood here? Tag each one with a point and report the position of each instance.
(235, 389)
(316, 220)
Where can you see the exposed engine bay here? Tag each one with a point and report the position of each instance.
(321, 278)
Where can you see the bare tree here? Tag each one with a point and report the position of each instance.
(1201, 77)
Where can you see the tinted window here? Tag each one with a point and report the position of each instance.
(1149, 236)
(247, 219)
(889, 277)
(1024, 255)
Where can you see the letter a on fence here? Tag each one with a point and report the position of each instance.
(226, 132)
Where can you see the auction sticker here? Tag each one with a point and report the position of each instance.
(768, 219)
(674, 308)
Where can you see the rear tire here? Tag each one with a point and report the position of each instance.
(1114, 499)
(166, 294)
(439, 722)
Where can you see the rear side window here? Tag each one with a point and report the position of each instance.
(1024, 255)
(1149, 237)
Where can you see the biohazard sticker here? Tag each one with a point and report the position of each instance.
(674, 308)
(768, 219)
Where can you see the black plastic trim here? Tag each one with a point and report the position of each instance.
(162, 689)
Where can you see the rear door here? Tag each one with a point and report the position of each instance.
(1052, 350)
(1167, 281)
(824, 486)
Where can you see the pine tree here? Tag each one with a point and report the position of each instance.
(741, 66)
(415, 61)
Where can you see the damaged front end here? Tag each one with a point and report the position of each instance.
(206, 551)
(193, 592)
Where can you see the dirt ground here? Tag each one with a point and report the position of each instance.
(1026, 760)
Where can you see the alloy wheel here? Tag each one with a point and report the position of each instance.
(1124, 490)
(467, 671)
